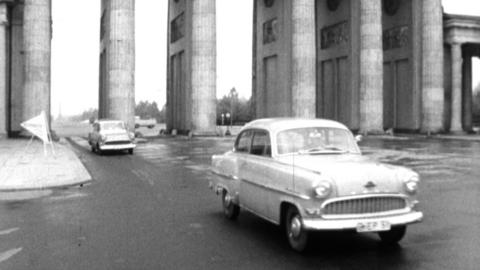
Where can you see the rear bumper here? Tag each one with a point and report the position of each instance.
(117, 146)
(346, 224)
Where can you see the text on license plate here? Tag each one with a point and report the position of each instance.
(373, 226)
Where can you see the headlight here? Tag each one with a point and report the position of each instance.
(411, 185)
(103, 138)
(131, 135)
(323, 189)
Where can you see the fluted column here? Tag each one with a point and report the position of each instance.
(456, 120)
(432, 67)
(303, 58)
(203, 67)
(37, 35)
(3, 68)
(121, 62)
(371, 67)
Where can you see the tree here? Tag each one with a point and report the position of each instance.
(476, 106)
(238, 108)
(147, 110)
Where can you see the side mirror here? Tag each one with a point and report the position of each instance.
(359, 138)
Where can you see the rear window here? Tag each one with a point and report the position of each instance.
(113, 125)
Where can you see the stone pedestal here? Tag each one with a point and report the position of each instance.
(37, 33)
(203, 67)
(3, 68)
(120, 62)
(371, 67)
(456, 120)
(432, 67)
(303, 58)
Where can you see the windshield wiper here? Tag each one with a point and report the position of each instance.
(323, 150)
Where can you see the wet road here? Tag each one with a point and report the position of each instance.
(153, 210)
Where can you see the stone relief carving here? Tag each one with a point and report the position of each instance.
(332, 5)
(391, 6)
(270, 31)
(334, 35)
(396, 37)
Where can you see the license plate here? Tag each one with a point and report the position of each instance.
(373, 226)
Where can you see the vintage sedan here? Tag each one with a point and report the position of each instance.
(109, 135)
(309, 175)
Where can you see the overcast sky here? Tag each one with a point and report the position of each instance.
(75, 49)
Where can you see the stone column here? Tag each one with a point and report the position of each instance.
(303, 58)
(37, 36)
(467, 96)
(121, 62)
(371, 67)
(204, 54)
(3, 68)
(456, 121)
(432, 67)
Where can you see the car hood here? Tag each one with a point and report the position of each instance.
(353, 174)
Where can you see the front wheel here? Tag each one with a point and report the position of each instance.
(230, 209)
(297, 236)
(393, 236)
(130, 151)
(99, 151)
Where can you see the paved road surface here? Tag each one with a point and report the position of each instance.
(153, 210)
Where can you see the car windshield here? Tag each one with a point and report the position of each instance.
(113, 126)
(316, 140)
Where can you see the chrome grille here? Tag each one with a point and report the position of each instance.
(368, 205)
(117, 142)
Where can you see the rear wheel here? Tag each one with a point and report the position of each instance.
(394, 235)
(297, 236)
(130, 151)
(230, 209)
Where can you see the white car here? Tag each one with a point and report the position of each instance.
(110, 135)
(309, 175)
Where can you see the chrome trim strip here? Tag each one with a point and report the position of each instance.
(287, 191)
(116, 146)
(226, 176)
(321, 224)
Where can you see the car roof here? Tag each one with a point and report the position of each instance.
(278, 124)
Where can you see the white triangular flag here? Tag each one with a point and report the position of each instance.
(38, 127)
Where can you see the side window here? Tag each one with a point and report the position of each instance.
(243, 142)
(261, 144)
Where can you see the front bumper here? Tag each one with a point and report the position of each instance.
(117, 146)
(347, 224)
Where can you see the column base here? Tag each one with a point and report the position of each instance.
(372, 132)
(458, 132)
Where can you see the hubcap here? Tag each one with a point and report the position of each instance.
(295, 227)
(228, 200)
